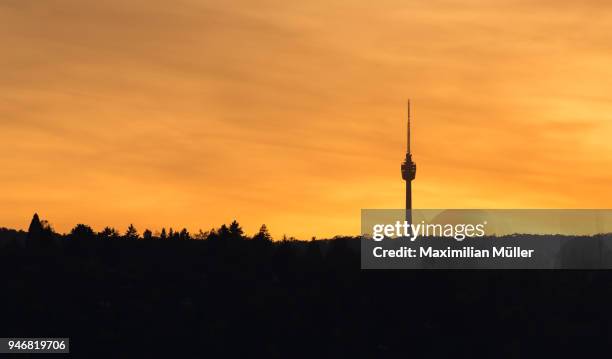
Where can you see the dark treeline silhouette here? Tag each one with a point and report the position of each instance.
(43, 231)
(223, 294)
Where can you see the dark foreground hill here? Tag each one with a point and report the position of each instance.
(121, 298)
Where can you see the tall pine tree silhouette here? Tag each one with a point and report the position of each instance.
(35, 230)
(235, 231)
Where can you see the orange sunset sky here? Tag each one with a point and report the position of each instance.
(190, 113)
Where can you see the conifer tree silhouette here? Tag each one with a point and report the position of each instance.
(131, 233)
(263, 234)
(82, 232)
(223, 232)
(213, 235)
(184, 235)
(235, 231)
(147, 234)
(36, 229)
(40, 229)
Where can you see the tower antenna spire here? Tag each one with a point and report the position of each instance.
(408, 130)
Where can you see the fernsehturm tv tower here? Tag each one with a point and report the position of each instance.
(408, 172)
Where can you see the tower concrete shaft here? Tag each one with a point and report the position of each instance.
(408, 171)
